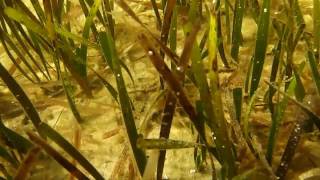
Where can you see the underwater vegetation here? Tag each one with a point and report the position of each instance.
(170, 89)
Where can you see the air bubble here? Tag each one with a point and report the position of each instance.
(276, 13)
(192, 171)
(179, 68)
(265, 10)
(150, 53)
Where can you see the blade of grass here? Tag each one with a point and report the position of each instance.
(10, 42)
(216, 121)
(22, 18)
(58, 7)
(25, 35)
(299, 91)
(86, 12)
(14, 61)
(204, 39)
(70, 97)
(104, 44)
(126, 107)
(200, 153)
(289, 151)
(57, 156)
(299, 34)
(156, 12)
(188, 46)
(125, 67)
(25, 20)
(261, 46)
(237, 100)
(276, 120)
(316, 26)
(173, 30)
(220, 41)
(22, 98)
(68, 24)
(108, 10)
(37, 7)
(236, 30)
(245, 120)
(108, 86)
(315, 73)
(4, 154)
(82, 53)
(166, 123)
(23, 45)
(67, 147)
(167, 20)
(49, 20)
(162, 144)
(100, 16)
(107, 56)
(212, 43)
(26, 10)
(164, 34)
(16, 140)
(170, 104)
(274, 69)
(227, 21)
(293, 13)
(39, 51)
(66, 53)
